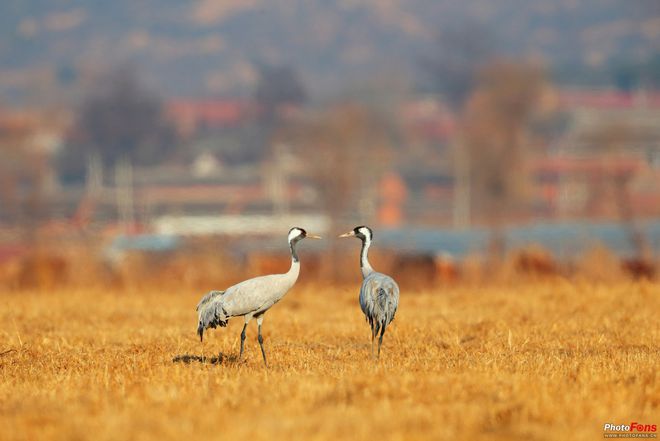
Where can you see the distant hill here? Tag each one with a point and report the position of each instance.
(211, 47)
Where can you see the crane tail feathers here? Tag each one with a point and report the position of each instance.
(382, 297)
(211, 313)
(208, 298)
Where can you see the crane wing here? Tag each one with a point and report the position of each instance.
(255, 295)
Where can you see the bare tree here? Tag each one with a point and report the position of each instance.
(278, 86)
(610, 142)
(345, 150)
(120, 118)
(459, 55)
(495, 138)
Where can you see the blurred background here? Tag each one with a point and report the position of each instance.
(175, 143)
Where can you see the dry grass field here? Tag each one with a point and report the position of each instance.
(535, 360)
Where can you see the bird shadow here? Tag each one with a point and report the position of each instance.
(219, 359)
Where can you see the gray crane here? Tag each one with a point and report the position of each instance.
(251, 298)
(379, 293)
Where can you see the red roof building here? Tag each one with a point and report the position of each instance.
(191, 115)
(608, 99)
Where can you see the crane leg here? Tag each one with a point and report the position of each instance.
(380, 339)
(372, 341)
(260, 320)
(247, 320)
(373, 334)
(374, 331)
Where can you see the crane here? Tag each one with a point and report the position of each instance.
(379, 293)
(250, 298)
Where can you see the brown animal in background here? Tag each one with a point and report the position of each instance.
(536, 262)
(416, 270)
(639, 268)
(42, 270)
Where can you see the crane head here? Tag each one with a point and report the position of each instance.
(296, 234)
(362, 232)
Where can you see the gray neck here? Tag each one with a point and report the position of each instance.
(365, 267)
(295, 262)
(294, 254)
(292, 275)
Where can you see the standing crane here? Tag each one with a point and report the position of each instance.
(250, 298)
(379, 293)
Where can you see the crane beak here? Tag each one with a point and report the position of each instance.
(349, 234)
(313, 236)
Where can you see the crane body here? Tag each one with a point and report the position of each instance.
(250, 298)
(379, 293)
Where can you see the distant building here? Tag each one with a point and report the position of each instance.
(192, 115)
(608, 157)
(608, 99)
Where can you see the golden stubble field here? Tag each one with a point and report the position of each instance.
(534, 360)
